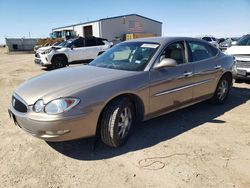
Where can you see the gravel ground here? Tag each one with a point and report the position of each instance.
(200, 146)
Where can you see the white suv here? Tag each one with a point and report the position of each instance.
(211, 40)
(241, 52)
(72, 50)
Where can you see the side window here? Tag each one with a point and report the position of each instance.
(77, 43)
(99, 42)
(90, 42)
(175, 51)
(200, 51)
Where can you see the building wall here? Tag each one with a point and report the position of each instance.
(118, 27)
(95, 28)
(21, 44)
(79, 29)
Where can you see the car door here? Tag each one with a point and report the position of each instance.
(76, 51)
(91, 48)
(171, 87)
(207, 69)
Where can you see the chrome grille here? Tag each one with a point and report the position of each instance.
(243, 64)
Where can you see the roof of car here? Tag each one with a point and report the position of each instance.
(162, 40)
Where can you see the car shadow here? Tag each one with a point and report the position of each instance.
(154, 131)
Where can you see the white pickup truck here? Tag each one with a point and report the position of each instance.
(73, 50)
(241, 52)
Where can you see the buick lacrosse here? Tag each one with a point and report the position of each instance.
(134, 81)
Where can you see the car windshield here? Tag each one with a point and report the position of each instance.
(66, 43)
(131, 56)
(244, 41)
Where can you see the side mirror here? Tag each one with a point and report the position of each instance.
(166, 62)
(72, 47)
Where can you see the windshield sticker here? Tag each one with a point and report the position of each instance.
(149, 45)
(137, 61)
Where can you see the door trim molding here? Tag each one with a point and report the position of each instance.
(182, 87)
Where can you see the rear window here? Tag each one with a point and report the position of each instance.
(201, 51)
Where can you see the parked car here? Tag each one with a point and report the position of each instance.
(220, 40)
(227, 43)
(42, 49)
(241, 52)
(134, 81)
(211, 40)
(72, 50)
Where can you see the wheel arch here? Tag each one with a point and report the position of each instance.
(60, 54)
(229, 75)
(135, 99)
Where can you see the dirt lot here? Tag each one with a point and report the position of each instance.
(200, 146)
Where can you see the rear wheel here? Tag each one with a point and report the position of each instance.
(59, 62)
(222, 90)
(116, 123)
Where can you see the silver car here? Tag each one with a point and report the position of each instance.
(133, 81)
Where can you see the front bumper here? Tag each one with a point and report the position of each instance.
(242, 73)
(58, 129)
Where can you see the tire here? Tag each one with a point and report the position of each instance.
(59, 61)
(222, 90)
(117, 121)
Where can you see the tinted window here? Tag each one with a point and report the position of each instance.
(213, 50)
(99, 42)
(175, 51)
(78, 43)
(200, 51)
(244, 41)
(90, 42)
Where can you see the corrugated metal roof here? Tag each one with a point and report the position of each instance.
(108, 19)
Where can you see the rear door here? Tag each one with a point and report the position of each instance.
(171, 87)
(207, 69)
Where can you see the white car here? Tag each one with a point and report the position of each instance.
(73, 50)
(211, 40)
(241, 52)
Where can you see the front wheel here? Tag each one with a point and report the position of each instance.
(59, 62)
(222, 90)
(116, 123)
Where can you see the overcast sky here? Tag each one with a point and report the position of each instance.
(220, 18)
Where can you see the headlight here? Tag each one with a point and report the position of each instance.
(47, 51)
(38, 106)
(58, 106)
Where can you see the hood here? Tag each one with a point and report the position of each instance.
(234, 50)
(64, 82)
(42, 49)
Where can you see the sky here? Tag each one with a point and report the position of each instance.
(220, 18)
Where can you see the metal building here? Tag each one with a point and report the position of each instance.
(21, 44)
(114, 28)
